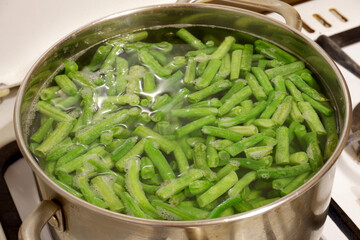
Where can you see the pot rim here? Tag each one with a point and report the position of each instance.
(164, 223)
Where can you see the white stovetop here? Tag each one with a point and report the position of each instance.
(31, 27)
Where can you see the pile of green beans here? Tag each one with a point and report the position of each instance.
(183, 129)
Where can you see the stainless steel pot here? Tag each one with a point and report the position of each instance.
(299, 215)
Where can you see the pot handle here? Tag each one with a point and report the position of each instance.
(46, 211)
(291, 16)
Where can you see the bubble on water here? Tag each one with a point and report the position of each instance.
(265, 176)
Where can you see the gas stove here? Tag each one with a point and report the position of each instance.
(37, 25)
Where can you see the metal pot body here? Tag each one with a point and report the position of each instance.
(299, 215)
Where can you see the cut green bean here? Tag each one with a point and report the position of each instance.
(190, 39)
(235, 64)
(242, 118)
(179, 184)
(159, 161)
(311, 118)
(285, 69)
(243, 181)
(133, 185)
(240, 146)
(218, 189)
(224, 47)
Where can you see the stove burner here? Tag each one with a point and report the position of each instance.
(9, 217)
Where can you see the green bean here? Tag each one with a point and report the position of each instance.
(199, 186)
(181, 159)
(285, 69)
(231, 166)
(246, 131)
(322, 108)
(194, 125)
(264, 123)
(235, 64)
(246, 59)
(179, 183)
(107, 194)
(173, 82)
(262, 63)
(331, 136)
(94, 131)
(190, 38)
(298, 158)
(282, 147)
(123, 149)
(256, 89)
(295, 183)
(49, 93)
(209, 73)
(198, 212)
(67, 187)
(242, 118)
(42, 132)
(195, 53)
(281, 183)
(133, 185)
(171, 212)
(311, 118)
(311, 92)
(201, 162)
(159, 56)
(294, 91)
(131, 206)
(144, 132)
(235, 99)
(99, 57)
(65, 83)
(189, 77)
(224, 47)
(283, 111)
(70, 155)
(243, 181)
(53, 112)
(59, 150)
(313, 151)
(222, 133)
(300, 133)
(224, 69)
(111, 58)
(292, 171)
(80, 79)
(281, 53)
(295, 113)
(217, 190)
(130, 37)
(136, 151)
(146, 58)
(70, 66)
(306, 76)
(258, 151)
(136, 74)
(122, 69)
(240, 146)
(176, 63)
(88, 193)
(61, 131)
(147, 169)
(263, 79)
(216, 212)
(221, 144)
(279, 84)
(159, 161)
(193, 112)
